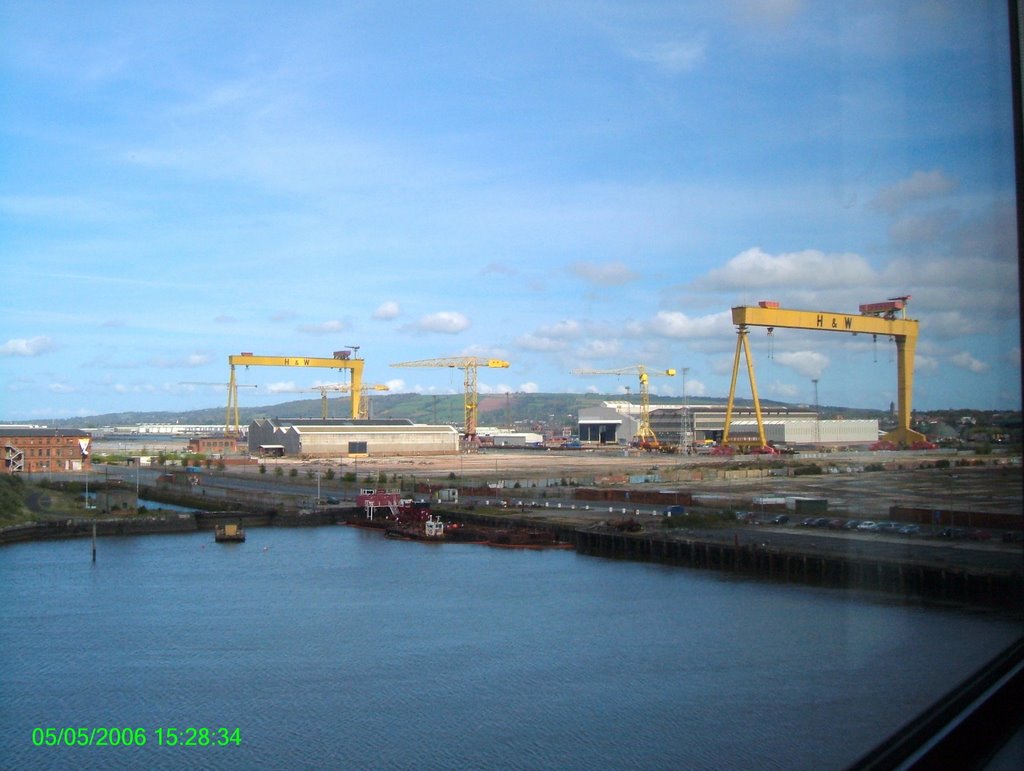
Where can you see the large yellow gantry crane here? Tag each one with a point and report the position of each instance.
(469, 365)
(645, 436)
(882, 318)
(340, 360)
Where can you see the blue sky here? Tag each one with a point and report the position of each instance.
(563, 185)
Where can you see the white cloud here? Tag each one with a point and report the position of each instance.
(446, 322)
(966, 361)
(772, 12)
(387, 311)
(529, 388)
(785, 391)
(33, 346)
(810, 364)
(552, 337)
(673, 57)
(196, 359)
(605, 274)
(323, 328)
(61, 388)
(599, 348)
(540, 343)
(695, 387)
(678, 325)
(283, 387)
(920, 185)
(395, 384)
(809, 269)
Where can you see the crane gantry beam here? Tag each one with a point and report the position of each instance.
(469, 365)
(340, 360)
(883, 318)
(645, 436)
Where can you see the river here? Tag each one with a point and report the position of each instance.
(333, 647)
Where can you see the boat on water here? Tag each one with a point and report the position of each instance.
(228, 533)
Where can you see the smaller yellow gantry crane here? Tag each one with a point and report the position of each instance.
(645, 437)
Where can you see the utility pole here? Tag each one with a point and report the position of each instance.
(817, 416)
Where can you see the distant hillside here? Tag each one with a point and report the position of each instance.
(520, 409)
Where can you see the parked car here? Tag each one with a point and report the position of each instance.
(887, 527)
(909, 530)
(780, 519)
(835, 524)
(867, 525)
(851, 524)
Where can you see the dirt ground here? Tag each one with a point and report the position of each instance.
(994, 487)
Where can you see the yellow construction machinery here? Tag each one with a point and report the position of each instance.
(341, 360)
(645, 437)
(882, 318)
(469, 365)
(364, 402)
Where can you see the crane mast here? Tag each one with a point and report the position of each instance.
(645, 436)
(469, 365)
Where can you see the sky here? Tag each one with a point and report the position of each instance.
(564, 185)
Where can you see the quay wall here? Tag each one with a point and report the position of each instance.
(908, 579)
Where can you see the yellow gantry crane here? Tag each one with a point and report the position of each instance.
(364, 402)
(341, 360)
(881, 318)
(469, 365)
(645, 436)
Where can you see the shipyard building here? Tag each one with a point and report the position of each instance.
(617, 422)
(31, 450)
(333, 438)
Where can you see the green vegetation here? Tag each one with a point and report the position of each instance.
(809, 469)
(12, 499)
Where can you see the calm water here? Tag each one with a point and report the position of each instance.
(334, 648)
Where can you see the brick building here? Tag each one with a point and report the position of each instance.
(213, 445)
(32, 450)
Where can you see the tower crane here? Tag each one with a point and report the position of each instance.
(469, 365)
(364, 403)
(645, 436)
(882, 318)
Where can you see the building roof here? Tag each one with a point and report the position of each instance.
(55, 432)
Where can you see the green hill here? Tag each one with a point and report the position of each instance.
(523, 410)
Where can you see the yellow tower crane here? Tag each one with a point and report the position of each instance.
(341, 360)
(881, 318)
(469, 365)
(364, 403)
(645, 436)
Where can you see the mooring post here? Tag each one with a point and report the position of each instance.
(94, 540)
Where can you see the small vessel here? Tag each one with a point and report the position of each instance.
(228, 533)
